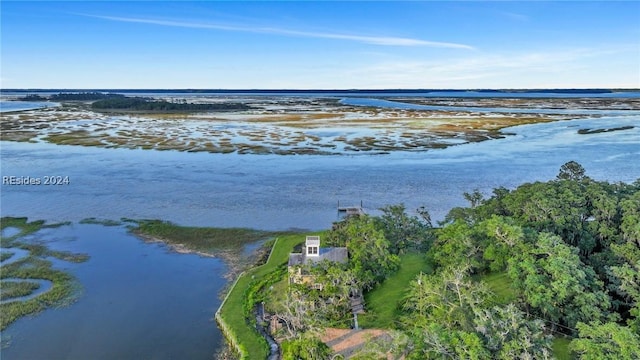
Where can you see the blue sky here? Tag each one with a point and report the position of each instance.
(320, 45)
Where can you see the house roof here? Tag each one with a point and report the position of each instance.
(333, 254)
(295, 259)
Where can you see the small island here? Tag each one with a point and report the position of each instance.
(141, 104)
(112, 102)
(597, 131)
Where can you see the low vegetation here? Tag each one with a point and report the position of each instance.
(34, 266)
(12, 289)
(325, 127)
(199, 239)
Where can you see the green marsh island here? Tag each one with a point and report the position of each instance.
(29, 282)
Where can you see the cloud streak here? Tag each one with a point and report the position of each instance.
(374, 40)
(515, 70)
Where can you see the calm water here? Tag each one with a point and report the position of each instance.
(139, 301)
(6, 106)
(142, 301)
(479, 109)
(280, 192)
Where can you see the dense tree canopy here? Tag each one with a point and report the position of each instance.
(571, 249)
(370, 255)
(405, 232)
(146, 104)
(608, 341)
(566, 251)
(553, 281)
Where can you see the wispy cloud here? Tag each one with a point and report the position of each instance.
(514, 16)
(529, 69)
(375, 40)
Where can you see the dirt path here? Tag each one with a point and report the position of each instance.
(348, 341)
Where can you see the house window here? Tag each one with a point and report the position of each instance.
(313, 250)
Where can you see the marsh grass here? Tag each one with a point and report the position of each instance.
(5, 256)
(63, 291)
(597, 131)
(21, 223)
(12, 289)
(35, 266)
(103, 222)
(199, 239)
(279, 130)
(32, 267)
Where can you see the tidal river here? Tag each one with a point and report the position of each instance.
(140, 300)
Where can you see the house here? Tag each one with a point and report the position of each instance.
(313, 253)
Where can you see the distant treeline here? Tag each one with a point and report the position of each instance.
(33, 97)
(81, 96)
(84, 96)
(330, 91)
(146, 104)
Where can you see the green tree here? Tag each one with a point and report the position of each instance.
(507, 334)
(404, 231)
(449, 298)
(458, 244)
(550, 278)
(571, 171)
(369, 251)
(505, 239)
(597, 341)
(625, 280)
(305, 348)
(469, 215)
(630, 225)
(438, 342)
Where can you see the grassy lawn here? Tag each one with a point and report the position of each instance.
(382, 303)
(232, 311)
(500, 284)
(561, 348)
(276, 295)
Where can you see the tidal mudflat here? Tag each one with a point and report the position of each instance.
(283, 126)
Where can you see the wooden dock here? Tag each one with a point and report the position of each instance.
(351, 210)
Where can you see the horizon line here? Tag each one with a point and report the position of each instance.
(315, 89)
